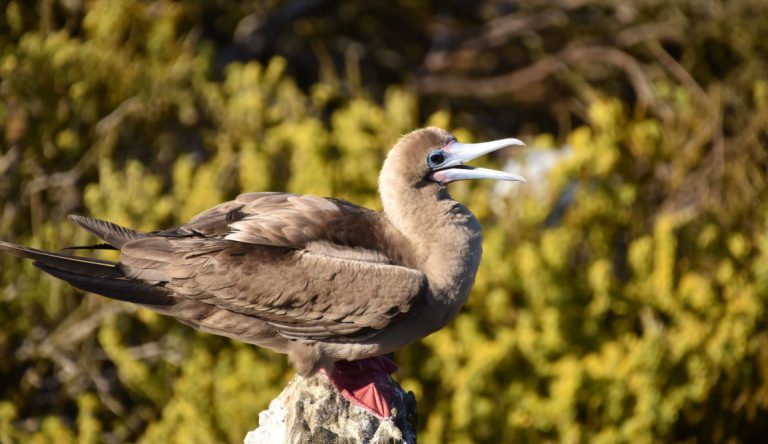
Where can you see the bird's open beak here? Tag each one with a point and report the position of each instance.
(456, 154)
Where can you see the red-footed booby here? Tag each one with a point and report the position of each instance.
(320, 279)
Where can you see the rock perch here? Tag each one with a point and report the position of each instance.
(311, 410)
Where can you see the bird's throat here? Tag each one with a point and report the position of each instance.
(444, 236)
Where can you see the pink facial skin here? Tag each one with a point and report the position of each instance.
(439, 176)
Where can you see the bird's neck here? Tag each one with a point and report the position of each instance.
(444, 236)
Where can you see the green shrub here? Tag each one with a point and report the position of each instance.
(635, 314)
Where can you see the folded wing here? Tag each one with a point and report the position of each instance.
(307, 267)
(303, 295)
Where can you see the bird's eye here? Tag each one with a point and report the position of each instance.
(435, 158)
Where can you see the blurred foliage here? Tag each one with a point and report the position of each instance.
(622, 300)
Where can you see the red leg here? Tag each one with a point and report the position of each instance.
(366, 383)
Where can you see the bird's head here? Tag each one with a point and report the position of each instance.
(433, 156)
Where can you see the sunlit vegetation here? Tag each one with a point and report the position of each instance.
(621, 299)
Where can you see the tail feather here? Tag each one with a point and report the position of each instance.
(94, 275)
(113, 234)
(126, 290)
(65, 262)
(103, 246)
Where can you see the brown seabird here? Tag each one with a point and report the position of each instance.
(320, 279)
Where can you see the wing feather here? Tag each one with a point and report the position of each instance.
(298, 267)
(328, 226)
(301, 294)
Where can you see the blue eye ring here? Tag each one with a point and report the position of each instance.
(435, 158)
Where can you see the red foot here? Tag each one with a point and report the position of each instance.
(365, 383)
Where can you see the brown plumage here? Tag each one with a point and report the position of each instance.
(317, 278)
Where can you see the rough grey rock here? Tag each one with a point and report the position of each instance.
(311, 410)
